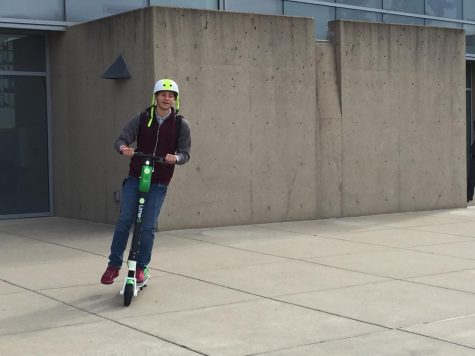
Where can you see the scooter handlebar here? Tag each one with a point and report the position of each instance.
(150, 157)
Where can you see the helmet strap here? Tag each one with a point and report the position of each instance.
(152, 111)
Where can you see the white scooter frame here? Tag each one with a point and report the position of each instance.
(130, 287)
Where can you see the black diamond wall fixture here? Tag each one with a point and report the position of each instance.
(118, 70)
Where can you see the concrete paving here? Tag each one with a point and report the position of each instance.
(395, 284)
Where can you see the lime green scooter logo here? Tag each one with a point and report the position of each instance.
(139, 213)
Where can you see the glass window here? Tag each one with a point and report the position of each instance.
(322, 14)
(86, 10)
(342, 14)
(24, 181)
(22, 53)
(52, 10)
(273, 7)
(349, 14)
(402, 20)
(194, 4)
(377, 4)
(468, 76)
(444, 8)
(436, 23)
(469, 123)
(411, 6)
(469, 10)
(470, 38)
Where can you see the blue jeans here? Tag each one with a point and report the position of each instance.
(128, 213)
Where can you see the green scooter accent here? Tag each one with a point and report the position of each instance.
(145, 177)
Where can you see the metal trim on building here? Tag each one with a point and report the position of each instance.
(43, 25)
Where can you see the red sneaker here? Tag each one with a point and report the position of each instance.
(142, 274)
(110, 274)
(139, 275)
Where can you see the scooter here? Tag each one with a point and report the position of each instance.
(130, 287)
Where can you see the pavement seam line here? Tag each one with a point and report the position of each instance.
(337, 267)
(414, 229)
(274, 299)
(435, 338)
(273, 255)
(331, 313)
(253, 294)
(106, 318)
(321, 311)
(283, 257)
(316, 343)
(371, 229)
(51, 328)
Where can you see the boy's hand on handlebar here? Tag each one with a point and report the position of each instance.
(170, 159)
(127, 151)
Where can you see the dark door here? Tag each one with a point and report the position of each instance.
(24, 162)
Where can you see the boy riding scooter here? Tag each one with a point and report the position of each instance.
(160, 132)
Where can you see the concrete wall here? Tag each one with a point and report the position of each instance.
(282, 129)
(89, 112)
(251, 107)
(250, 104)
(401, 138)
(329, 174)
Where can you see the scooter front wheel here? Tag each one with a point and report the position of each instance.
(128, 294)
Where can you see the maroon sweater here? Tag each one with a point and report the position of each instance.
(146, 140)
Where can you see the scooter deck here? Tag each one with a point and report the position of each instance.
(144, 283)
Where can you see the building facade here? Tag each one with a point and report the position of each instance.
(52, 94)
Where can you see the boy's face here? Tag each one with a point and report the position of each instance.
(165, 99)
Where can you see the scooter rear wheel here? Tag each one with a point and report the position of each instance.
(128, 294)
